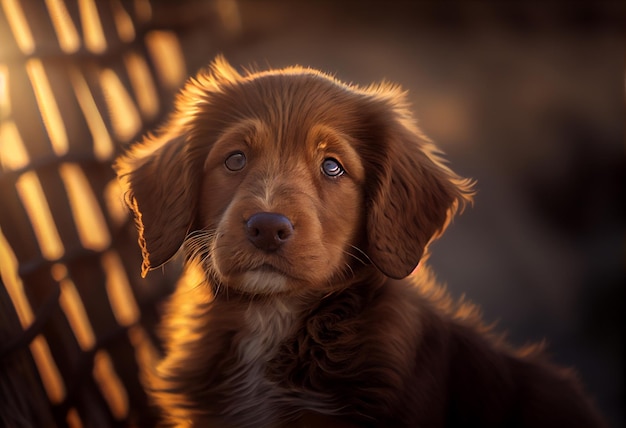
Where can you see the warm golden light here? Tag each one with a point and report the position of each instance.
(95, 40)
(63, 26)
(167, 55)
(123, 23)
(143, 85)
(19, 26)
(5, 101)
(118, 288)
(145, 353)
(31, 193)
(103, 146)
(48, 370)
(115, 205)
(74, 310)
(13, 155)
(112, 388)
(143, 10)
(123, 112)
(191, 279)
(13, 283)
(73, 419)
(48, 106)
(88, 217)
(228, 11)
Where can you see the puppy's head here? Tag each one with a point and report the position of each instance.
(287, 180)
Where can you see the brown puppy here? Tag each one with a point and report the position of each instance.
(302, 205)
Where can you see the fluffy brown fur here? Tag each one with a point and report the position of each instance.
(314, 314)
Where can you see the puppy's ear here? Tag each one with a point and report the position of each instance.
(414, 198)
(161, 189)
(161, 175)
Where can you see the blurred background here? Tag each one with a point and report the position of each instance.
(527, 98)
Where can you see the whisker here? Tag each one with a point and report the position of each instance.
(345, 271)
(356, 258)
(363, 253)
(197, 243)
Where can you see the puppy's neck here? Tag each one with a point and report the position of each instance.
(267, 322)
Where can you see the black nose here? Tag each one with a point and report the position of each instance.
(268, 231)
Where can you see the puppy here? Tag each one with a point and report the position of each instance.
(303, 206)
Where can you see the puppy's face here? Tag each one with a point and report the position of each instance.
(288, 181)
(282, 202)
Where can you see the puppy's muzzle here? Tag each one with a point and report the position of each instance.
(268, 231)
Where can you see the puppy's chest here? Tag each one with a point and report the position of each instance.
(265, 328)
(268, 382)
(252, 396)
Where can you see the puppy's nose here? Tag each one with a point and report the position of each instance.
(268, 231)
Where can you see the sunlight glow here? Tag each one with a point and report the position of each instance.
(123, 23)
(13, 155)
(88, 217)
(73, 418)
(48, 370)
(103, 146)
(166, 52)
(123, 112)
(31, 193)
(143, 10)
(118, 289)
(143, 85)
(63, 26)
(112, 388)
(115, 205)
(228, 11)
(13, 283)
(19, 26)
(95, 40)
(47, 106)
(5, 101)
(146, 354)
(74, 309)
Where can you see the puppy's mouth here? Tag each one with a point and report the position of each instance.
(261, 279)
(268, 268)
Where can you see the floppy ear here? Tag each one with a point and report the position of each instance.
(415, 197)
(162, 191)
(161, 175)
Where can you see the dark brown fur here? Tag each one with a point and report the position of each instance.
(335, 327)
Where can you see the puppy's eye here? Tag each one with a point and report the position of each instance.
(235, 161)
(332, 168)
